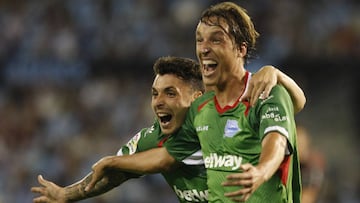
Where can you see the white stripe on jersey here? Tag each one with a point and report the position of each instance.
(119, 153)
(281, 130)
(278, 129)
(194, 159)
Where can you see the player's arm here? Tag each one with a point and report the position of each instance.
(272, 154)
(52, 193)
(265, 79)
(277, 140)
(296, 93)
(147, 162)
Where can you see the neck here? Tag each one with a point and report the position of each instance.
(229, 92)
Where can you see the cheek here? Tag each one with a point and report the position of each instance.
(180, 111)
(198, 56)
(152, 103)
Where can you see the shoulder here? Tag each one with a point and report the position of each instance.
(200, 101)
(278, 94)
(146, 138)
(278, 99)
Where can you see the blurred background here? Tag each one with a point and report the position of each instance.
(75, 80)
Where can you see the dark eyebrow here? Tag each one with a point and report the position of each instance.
(219, 33)
(165, 89)
(170, 88)
(223, 31)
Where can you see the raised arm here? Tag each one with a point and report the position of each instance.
(265, 79)
(52, 193)
(151, 161)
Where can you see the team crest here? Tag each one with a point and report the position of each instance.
(231, 128)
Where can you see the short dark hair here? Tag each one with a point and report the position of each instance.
(184, 68)
(241, 28)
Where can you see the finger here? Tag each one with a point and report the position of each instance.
(37, 190)
(91, 185)
(41, 199)
(241, 192)
(241, 175)
(256, 94)
(42, 181)
(267, 91)
(246, 197)
(238, 176)
(238, 182)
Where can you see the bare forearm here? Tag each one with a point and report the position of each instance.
(296, 93)
(76, 191)
(273, 153)
(151, 161)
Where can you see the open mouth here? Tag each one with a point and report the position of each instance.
(209, 66)
(165, 118)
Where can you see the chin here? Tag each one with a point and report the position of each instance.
(167, 131)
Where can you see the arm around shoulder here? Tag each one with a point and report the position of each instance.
(155, 160)
(296, 93)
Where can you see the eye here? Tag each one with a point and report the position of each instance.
(216, 40)
(199, 39)
(171, 94)
(154, 93)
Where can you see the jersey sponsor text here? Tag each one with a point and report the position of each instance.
(202, 128)
(191, 195)
(216, 161)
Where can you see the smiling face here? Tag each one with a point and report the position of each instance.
(217, 52)
(171, 98)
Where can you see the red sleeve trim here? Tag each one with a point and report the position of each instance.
(284, 170)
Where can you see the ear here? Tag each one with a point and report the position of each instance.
(196, 94)
(242, 50)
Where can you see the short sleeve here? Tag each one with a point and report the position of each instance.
(276, 113)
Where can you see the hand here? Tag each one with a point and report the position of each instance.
(249, 180)
(261, 84)
(49, 191)
(98, 172)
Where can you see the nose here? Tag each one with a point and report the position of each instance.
(158, 101)
(205, 51)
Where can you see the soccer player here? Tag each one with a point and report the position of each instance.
(177, 83)
(250, 152)
(251, 147)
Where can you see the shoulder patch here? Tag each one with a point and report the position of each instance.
(133, 143)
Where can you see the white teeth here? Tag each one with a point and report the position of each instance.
(162, 114)
(208, 62)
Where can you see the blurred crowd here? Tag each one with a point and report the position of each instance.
(75, 80)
